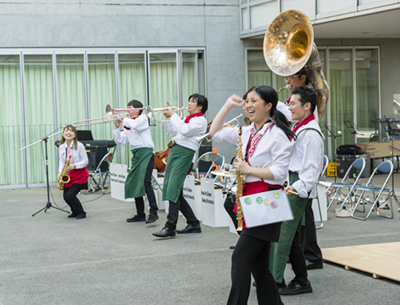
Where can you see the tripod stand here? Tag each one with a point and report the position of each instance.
(48, 204)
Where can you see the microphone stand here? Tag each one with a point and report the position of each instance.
(48, 204)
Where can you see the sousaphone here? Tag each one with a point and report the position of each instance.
(289, 46)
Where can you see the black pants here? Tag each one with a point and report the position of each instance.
(70, 198)
(308, 236)
(229, 205)
(251, 256)
(183, 206)
(149, 192)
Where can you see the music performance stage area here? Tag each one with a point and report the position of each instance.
(50, 259)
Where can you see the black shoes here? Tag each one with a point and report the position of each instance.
(311, 265)
(152, 218)
(190, 229)
(136, 218)
(232, 247)
(295, 287)
(72, 215)
(81, 216)
(165, 232)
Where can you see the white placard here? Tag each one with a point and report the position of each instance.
(265, 208)
(118, 174)
(212, 202)
(192, 192)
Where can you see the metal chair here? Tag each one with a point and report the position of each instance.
(321, 177)
(385, 167)
(358, 164)
(98, 177)
(219, 162)
(206, 157)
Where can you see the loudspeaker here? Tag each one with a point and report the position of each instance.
(95, 154)
(204, 166)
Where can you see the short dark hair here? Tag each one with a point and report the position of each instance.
(201, 100)
(136, 104)
(248, 91)
(307, 95)
(303, 72)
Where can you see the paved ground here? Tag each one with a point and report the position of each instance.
(50, 259)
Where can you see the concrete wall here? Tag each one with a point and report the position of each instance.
(213, 24)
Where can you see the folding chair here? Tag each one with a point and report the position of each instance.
(219, 162)
(385, 167)
(358, 164)
(206, 157)
(98, 177)
(325, 166)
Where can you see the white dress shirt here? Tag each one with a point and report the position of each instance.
(186, 134)
(79, 156)
(139, 134)
(307, 159)
(273, 151)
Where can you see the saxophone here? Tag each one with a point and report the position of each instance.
(64, 176)
(239, 184)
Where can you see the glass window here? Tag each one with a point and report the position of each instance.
(39, 116)
(11, 128)
(367, 92)
(258, 73)
(163, 89)
(341, 94)
(306, 6)
(70, 89)
(259, 14)
(189, 76)
(132, 85)
(101, 92)
(326, 6)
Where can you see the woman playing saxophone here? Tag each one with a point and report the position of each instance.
(76, 169)
(267, 144)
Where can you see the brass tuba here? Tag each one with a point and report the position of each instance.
(289, 46)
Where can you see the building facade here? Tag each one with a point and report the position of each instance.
(64, 61)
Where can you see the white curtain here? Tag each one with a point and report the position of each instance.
(11, 129)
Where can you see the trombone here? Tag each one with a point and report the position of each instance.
(149, 111)
(207, 135)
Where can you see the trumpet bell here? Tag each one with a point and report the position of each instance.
(288, 42)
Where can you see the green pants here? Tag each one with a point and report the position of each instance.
(134, 184)
(280, 250)
(178, 164)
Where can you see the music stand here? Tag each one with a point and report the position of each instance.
(332, 132)
(354, 131)
(48, 204)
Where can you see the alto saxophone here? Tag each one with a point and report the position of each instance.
(64, 176)
(239, 184)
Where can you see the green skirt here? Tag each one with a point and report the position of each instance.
(280, 250)
(134, 184)
(178, 164)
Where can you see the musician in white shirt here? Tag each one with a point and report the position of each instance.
(304, 169)
(77, 170)
(138, 182)
(266, 147)
(180, 160)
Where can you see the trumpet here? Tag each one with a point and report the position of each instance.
(150, 111)
(207, 135)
